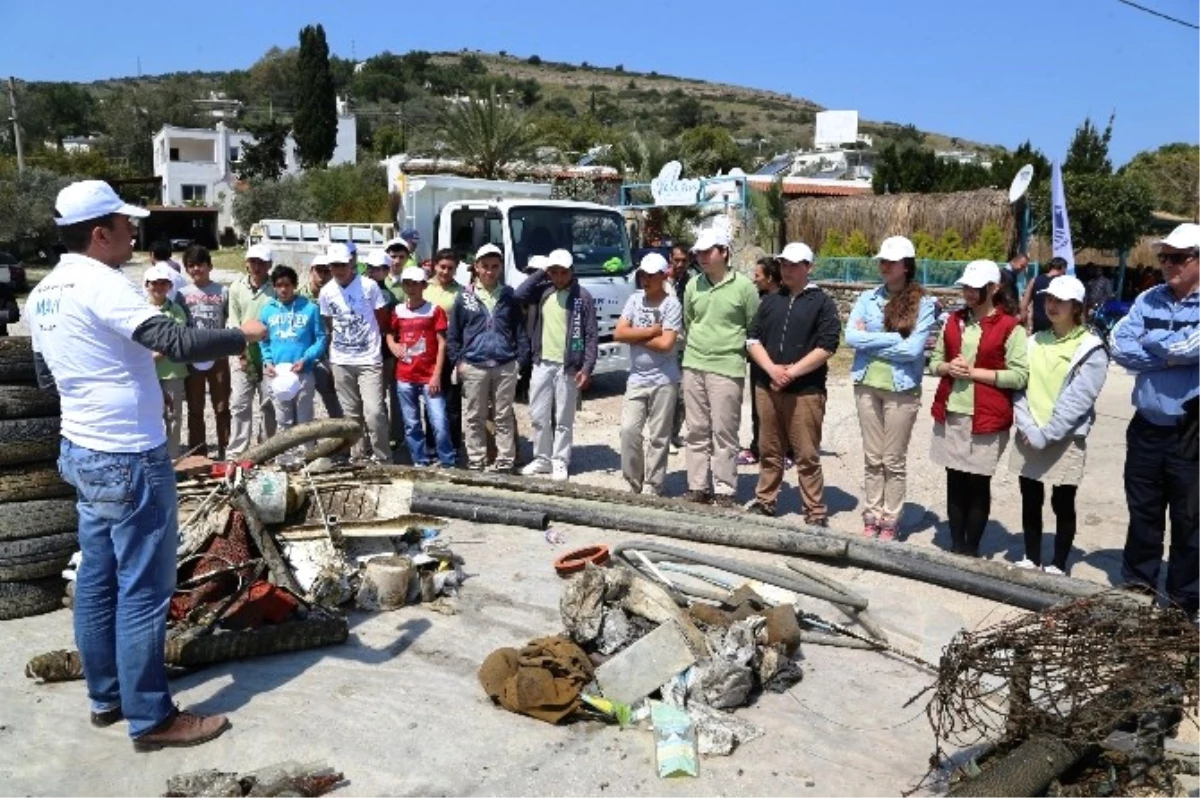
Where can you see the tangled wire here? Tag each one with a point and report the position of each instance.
(1075, 671)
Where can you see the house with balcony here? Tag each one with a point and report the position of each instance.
(197, 167)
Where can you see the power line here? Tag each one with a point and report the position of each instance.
(1176, 20)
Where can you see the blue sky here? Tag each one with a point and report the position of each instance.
(991, 72)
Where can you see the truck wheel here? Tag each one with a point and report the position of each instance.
(23, 599)
(28, 440)
(27, 401)
(16, 359)
(23, 482)
(35, 519)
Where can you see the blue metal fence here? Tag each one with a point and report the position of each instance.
(866, 270)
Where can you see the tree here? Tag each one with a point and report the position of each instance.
(1007, 164)
(991, 244)
(27, 205)
(315, 123)
(1171, 172)
(272, 199)
(264, 158)
(770, 216)
(56, 110)
(1088, 153)
(349, 193)
(487, 134)
(534, 60)
(708, 149)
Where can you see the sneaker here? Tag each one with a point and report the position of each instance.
(535, 468)
(723, 500)
(102, 720)
(870, 529)
(1027, 564)
(502, 467)
(887, 533)
(758, 508)
(559, 472)
(181, 730)
(474, 466)
(1054, 570)
(746, 457)
(698, 497)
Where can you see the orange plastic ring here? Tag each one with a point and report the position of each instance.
(574, 561)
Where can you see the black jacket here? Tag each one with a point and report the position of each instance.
(789, 327)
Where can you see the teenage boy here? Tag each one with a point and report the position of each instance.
(650, 325)
(793, 335)
(718, 306)
(248, 295)
(207, 302)
(563, 335)
(442, 290)
(354, 311)
(295, 342)
(417, 340)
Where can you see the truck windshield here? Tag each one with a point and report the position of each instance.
(596, 239)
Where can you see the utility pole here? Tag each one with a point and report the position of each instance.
(12, 117)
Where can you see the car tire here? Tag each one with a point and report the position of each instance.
(28, 440)
(50, 565)
(27, 401)
(36, 519)
(23, 550)
(26, 598)
(16, 359)
(28, 482)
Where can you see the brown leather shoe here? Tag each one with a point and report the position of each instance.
(181, 730)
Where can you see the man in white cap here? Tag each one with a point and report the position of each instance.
(718, 306)
(563, 338)
(378, 265)
(650, 324)
(1159, 339)
(93, 335)
(248, 295)
(794, 333)
(398, 253)
(487, 343)
(355, 312)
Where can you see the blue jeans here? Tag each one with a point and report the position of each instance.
(414, 435)
(128, 533)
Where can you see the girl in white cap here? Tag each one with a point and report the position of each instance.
(888, 328)
(981, 358)
(1054, 414)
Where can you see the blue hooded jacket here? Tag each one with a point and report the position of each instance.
(295, 333)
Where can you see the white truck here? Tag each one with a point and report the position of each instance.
(594, 234)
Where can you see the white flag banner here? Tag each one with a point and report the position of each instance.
(1061, 227)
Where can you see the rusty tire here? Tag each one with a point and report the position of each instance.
(28, 440)
(16, 359)
(26, 482)
(27, 401)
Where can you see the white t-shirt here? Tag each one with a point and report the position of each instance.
(355, 340)
(82, 317)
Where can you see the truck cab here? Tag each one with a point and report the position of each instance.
(595, 235)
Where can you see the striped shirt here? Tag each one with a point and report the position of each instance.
(1159, 340)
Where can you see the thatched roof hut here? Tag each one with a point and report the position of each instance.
(881, 215)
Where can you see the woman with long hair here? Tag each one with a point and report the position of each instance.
(982, 360)
(1067, 367)
(888, 329)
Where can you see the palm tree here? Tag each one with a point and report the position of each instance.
(487, 134)
(640, 157)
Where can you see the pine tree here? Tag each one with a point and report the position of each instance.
(315, 123)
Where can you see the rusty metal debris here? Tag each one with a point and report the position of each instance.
(285, 778)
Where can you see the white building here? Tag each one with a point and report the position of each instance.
(198, 166)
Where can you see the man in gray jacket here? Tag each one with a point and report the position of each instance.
(562, 332)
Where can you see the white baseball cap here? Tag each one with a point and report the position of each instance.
(338, 253)
(797, 252)
(414, 274)
(1065, 287)
(159, 271)
(320, 260)
(91, 199)
(285, 385)
(653, 263)
(709, 239)
(377, 259)
(560, 257)
(1185, 236)
(259, 252)
(488, 249)
(979, 273)
(537, 262)
(896, 248)
(397, 242)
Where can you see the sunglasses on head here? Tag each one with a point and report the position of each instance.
(1175, 258)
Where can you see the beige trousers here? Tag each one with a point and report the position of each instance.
(714, 415)
(494, 388)
(646, 418)
(785, 418)
(886, 419)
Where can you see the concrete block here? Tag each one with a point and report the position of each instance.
(646, 665)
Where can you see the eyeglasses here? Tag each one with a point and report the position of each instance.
(1175, 258)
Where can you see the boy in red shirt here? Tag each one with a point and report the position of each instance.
(417, 339)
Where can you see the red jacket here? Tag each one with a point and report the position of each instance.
(993, 406)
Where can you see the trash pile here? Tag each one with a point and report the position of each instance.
(682, 651)
(286, 778)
